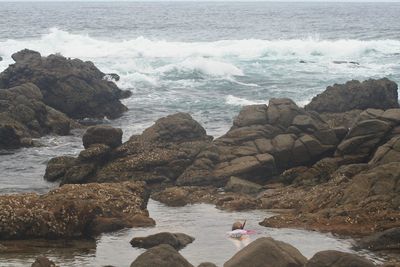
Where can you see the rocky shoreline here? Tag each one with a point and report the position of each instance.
(332, 166)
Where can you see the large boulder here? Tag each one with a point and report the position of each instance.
(71, 86)
(332, 258)
(73, 211)
(102, 134)
(267, 252)
(379, 94)
(161, 256)
(23, 116)
(176, 240)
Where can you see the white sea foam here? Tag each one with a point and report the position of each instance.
(84, 46)
(146, 61)
(237, 101)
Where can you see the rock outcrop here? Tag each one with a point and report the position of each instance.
(161, 256)
(264, 141)
(74, 211)
(160, 154)
(332, 258)
(378, 94)
(388, 240)
(24, 116)
(267, 252)
(71, 86)
(176, 240)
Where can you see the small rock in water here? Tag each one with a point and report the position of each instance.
(161, 256)
(176, 240)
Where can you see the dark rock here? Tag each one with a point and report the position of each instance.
(72, 211)
(43, 262)
(161, 256)
(380, 94)
(331, 258)
(61, 79)
(102, 134)
(176, 240)
(267, 252)
(23, 116)
(386, 240)
(95, 153)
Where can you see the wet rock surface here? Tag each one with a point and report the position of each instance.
(73, 211)
(60, 79)
(176, 240)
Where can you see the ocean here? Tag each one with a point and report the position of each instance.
(204, 58)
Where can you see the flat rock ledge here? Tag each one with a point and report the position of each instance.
(74, 211)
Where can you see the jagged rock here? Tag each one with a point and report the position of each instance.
(72, 211)
(386, 240)
(176, 240)
(380, 94)
(102, 134)
(267, 252)
(332, 258)
(71, 86)
(161, 256)
(23, 116)
(242, 186)
(43, 262)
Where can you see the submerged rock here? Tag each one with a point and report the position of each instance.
(161, 256)
(73, 211)
(332, 258)
(176, 240)
(267, 252)
(71, 86)
(380, 94)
